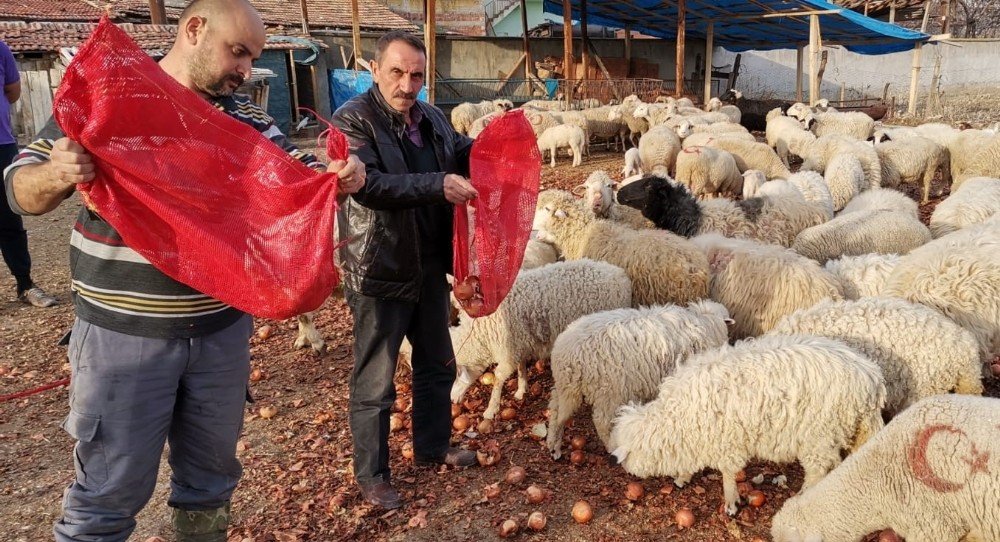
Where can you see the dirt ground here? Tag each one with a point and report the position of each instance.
(297, 482)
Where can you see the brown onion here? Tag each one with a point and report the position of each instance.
(684, 518)
(515, 475)
(508, 528)
(582, 513)
(577, 442)
(537, 521)
(756, 498)
(634, 491)
(535, 494)
(474, 307)
(407, 451)
(508, 414)
(456, 410)
(464, 291)
(396, 422)
(577, 457)
(460, 423)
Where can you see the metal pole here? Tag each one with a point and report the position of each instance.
(681, 24)
(430, 41)
(709, 36)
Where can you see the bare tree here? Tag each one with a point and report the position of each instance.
(976, 19)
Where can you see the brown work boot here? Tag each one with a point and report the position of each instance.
(382, 494)
(455, 457)
(37, 297)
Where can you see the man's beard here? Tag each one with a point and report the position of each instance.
(207, 82)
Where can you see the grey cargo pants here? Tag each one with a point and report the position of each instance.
(128, 396)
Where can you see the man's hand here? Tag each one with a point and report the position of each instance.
(458, 189)
(70, 162)
(351, 173)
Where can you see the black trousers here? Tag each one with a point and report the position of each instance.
(379, 328)
(13, 239)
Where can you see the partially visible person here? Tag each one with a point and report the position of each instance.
(13, 238)
(153, 360)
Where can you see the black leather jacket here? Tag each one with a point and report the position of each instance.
(380, 251)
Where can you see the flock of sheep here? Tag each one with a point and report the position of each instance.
(783, 324)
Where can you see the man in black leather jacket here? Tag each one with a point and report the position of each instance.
(396, 235)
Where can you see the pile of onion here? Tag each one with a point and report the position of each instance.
(470, 296)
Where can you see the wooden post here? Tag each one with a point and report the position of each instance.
(892, 13)
(911, 107)
(584, 44)
(430, 41)
(681, 25)
(798, 72)
(628, 51)
(355, 33)
(709, 37)
(305, 16)
(843, 91)
(568, 51)
(814, 48)
(157, 12)
(529, 66)
(294, 87)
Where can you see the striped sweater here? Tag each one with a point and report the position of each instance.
(113, 286)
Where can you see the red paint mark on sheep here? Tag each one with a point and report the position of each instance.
(917, 459)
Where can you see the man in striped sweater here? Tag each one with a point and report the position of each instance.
(152, 359)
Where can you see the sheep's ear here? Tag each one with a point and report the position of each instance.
(560, 213)
(620, 454)
(579, 189)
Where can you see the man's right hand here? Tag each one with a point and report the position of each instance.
(458, 189)
(70, 162)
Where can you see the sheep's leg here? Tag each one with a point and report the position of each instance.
(553, 151)
(603, 414)
(503, 372)
(782, 149)
(928, 177)
(562, 405)
(682, 480)
(522, 381)
(729, 491)
(816, 466)
(308, 335)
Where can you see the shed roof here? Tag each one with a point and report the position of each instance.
(39, 37)
(741, 25)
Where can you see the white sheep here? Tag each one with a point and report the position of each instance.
(912, 161)
(881, 199)
(731, 111)
(817, 154)
(745, 273)
(813, 188)
(753, 180)
(786, 135)
(658, 149)
(974, 202)
(853, 124)
(540, 121)
(560, 137)
(959, 275)
(545, 105)
(539, 306)
(930, 475)
(538, 253)
(920, 351)
(753, 155)
(985, 163)
(601, 126)
(575, 118)
(466, 113)
(702, 139)
(687, 129)
(774, 398)
(600, 198)
(610, 358)
(636, 125)
(633, 163)
(481, 123)
(664, 268)
(863, 276)
(708, 171)
(845, 178)
(853, 234)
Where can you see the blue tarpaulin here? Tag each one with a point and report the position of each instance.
(742, 25)
(346, 84)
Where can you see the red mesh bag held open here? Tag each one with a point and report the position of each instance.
(492, 231)
(208, 200)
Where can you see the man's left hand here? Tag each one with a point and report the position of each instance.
(351, 173)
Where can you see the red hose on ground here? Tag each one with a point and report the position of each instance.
(40, 389)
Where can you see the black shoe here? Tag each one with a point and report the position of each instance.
(382, 494)
(455, 457)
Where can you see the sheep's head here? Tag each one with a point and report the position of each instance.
(599, 193)
(554, 207)
(684, 129)
(798, 110)
(791, 525)
(809, 120)
(753, 179)
(669, 205)
(631, 99)
(641, 111)
(714, 104)
(707, 307)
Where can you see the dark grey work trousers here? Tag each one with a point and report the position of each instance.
(131, 394)
(13, 239)
(379, 328)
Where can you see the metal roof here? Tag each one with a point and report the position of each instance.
(741, 25)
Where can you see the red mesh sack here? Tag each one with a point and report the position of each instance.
(492, 231)
(208, 200)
